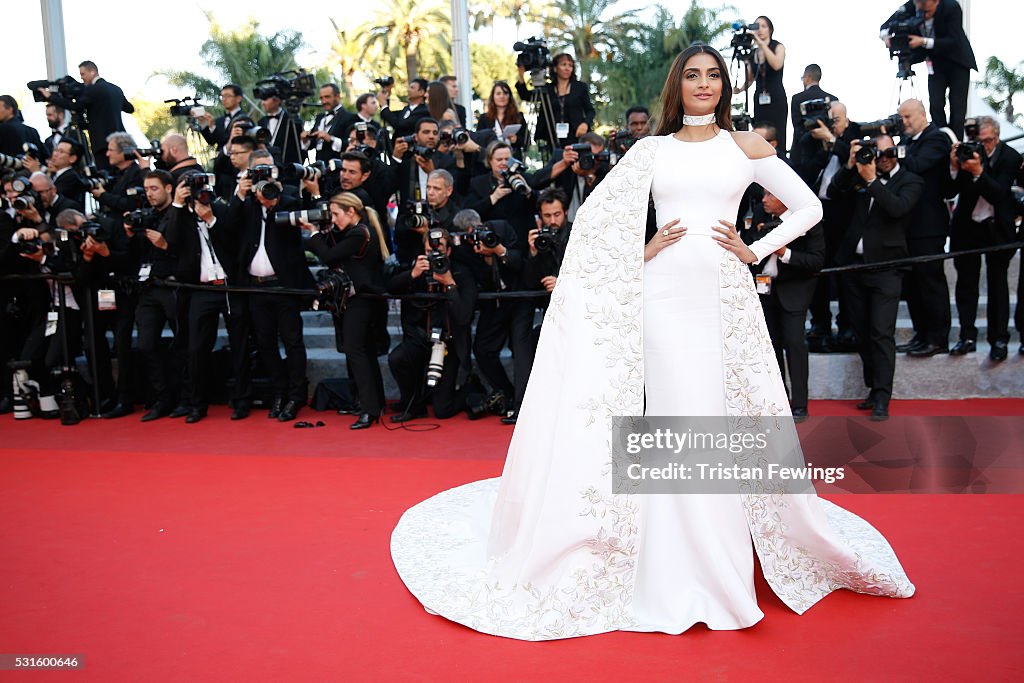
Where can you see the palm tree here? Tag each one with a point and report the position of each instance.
(582, 26)
(1003, 83)
(413, 30)
(349, 57)
(241, 56)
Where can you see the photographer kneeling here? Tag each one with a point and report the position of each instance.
(436, 335)
(354, 243)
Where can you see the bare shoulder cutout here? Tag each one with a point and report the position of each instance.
(752, 144)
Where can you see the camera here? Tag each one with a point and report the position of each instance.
(869, 152)
(965, 151)
(492, 405)
(189, 107)
(484, 236)
(295, 88)
(258, 133)
(261, 173)
(905, 23)
(31, 246)
(511, 177)
(95, 178)
(317, 169)
(416, 216)
(321, 216)
(742, 121)
(743, 38)
(30, 150)
(138, 195)
(11, 163)
(201, 184)
(27, 197)
(813, 111)
(589, 160)
(333, 290)
(545, 240)
(94, 229)
(971, 129)
(153, 151)
(533, 54)
(890, 125)
(67, 86)
(621, 141)
(438, 260)
(385, 82)
(437, 354)
(457, 136)
(143, 219)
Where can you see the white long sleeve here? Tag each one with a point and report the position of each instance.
(774, 175)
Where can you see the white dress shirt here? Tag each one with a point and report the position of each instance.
(260, 265)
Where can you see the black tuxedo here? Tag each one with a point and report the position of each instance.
(69, 184)
(114, 200)
(404, 122)
(952, 59)
(219, 137)
(102, 103)
(221, 133)
(338, 121)
(53, 140)
(880, 217)
(811, 92)
(926, 290)
(14, 134)
(284, 143)
(993, 186)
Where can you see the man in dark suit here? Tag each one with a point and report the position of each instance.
(284, 132)
(327, 136)
(950, 58)
(886, 196)
(126, 174)
(102, 103)
(785, 282)
(58, 121)
(925, 287)
(812, 91)
(404, 122)
(13, 131)
(271, 255)
(984, 217)
(217, 132)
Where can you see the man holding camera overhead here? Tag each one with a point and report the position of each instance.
(885, 197)
(404, 122)
(218, 132)
(271, 255)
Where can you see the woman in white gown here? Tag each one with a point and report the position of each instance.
(548, 550)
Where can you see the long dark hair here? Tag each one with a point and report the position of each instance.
(553, 69)
(511, 110)
(771, 27)
(672, 94)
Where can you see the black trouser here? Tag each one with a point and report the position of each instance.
(205, 310)
(873, 301)
(786, 328)
(279, 316)
(359, 325)
(828, 287)
(123, 322)
(968, 276)
(239, 325)
(500, 321)
(157, 306)
(927, 292)
(1018, 314)
(957, 80)
(408, 363)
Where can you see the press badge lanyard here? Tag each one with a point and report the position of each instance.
(562, 127)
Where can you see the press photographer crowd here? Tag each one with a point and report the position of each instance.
(104, 244)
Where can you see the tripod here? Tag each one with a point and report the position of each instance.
(738, 63)
(904, 76)
(540, 98)
(291, 131)
(78, 130)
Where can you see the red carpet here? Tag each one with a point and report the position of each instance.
(253, 551)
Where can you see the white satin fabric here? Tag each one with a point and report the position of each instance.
(548, 551)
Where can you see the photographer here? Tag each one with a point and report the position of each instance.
(503, 194)
(501, 112)
(825, 148)
(452, 317)
(569, 97)
(42, 203)
(553, 229)
(381, 181)
(925, 288)
(271, 255)
(812, 91)
(588, 170)
(62, 168)
(284, 131)
(13, 131)
(985, 217)
(126, 174)
(219, 132)
(176, 158)
(497, 268)
(638, 121)
(943, 44)
(405, 122)
(240, 150)
(785, 284)
(206, 255)
(327, 136)
(102, 103)
(416, 159)
(411, 228)
(354, 243)
(764, 71)
(877, 232)
(58, 120)
(151, 255)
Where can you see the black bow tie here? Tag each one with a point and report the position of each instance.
(884, 175)
(274, 116)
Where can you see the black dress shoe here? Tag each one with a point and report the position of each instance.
(358, 410)
(180, 411)
(364, 421)
(915, 341)
(880, 412)
(195, 415)
(413, 414)
(156, 412)
(867, 404)
(926, 350)
(963, 346)
(119, 410)
(844, 343)
(998, 351)
(799, 414)
(6, 405)
(275, 408)
(510, 418)
(289, 411)
(240, 412)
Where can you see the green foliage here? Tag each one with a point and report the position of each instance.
(491, 63)
(410, 33)
(1003, 84)
(153, 117)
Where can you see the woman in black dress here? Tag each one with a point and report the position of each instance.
(571, 109)
(771, 106)
(354, 242)
(502, 112)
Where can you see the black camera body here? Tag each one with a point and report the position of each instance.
(67, 86)
(965, 151)
(258, 133)
(545, 240)
(890, 125)
(533, 54)
(742, 41)
(289, 86)
(334, 288)
(516, 184)
(261, 173)
(814, 111)
(201, 184)
(385, 82)
(903, 25)
(869, 152)
(96, 177)
(417, 216)
(153, 151)
(438, 260)
(31, 246)
(484, 236)
(140, 220)
(589, 160)
(94, 229)
(971, 128)
(456, 136)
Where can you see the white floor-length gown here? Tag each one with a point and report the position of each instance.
(548, 551)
